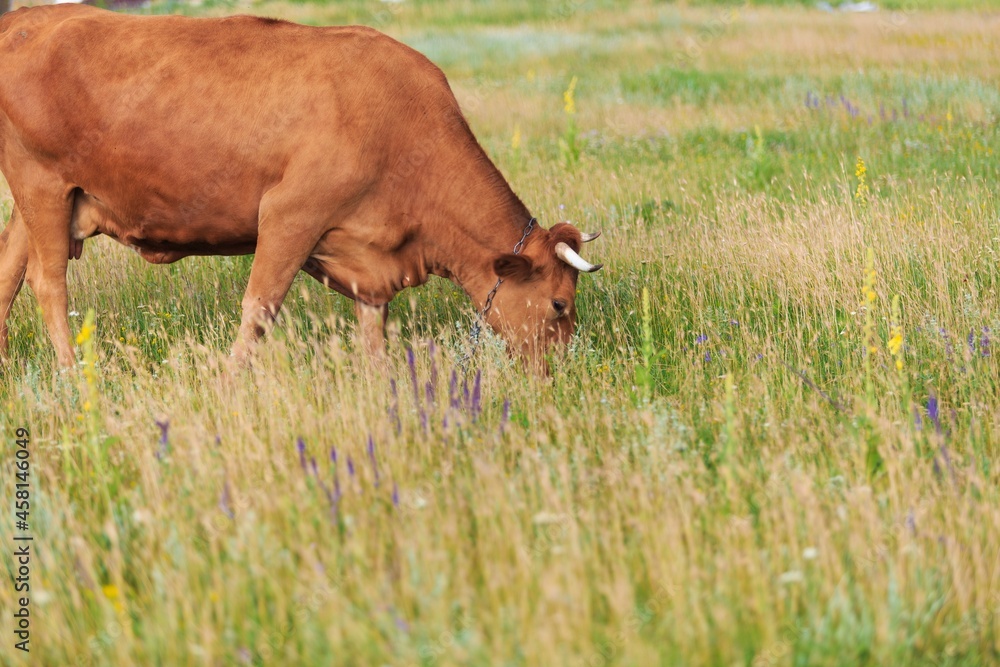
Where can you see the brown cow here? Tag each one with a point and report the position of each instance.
(336, 151)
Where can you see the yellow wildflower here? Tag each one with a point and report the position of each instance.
(895, 343)
(861, 172)
(515, 141)
(111, 593)
(570, 103)
(85, 333)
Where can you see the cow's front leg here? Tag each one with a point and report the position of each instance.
(371, 329)
(46, 215)
(13, 263)
(286, 238)
(270, 278)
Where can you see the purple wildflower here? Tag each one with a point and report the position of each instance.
(326, 491)
(932, 412)
(350, 466)
(336, 474)
(395, 495)
(371, 455)
(164, 445)
(947, 343)
(224, 500)
(394, 408)
(984, 342)
(476, 395)
(453, 390)
(300, 444)
(411, 361)
(972, 343)
(708, 357)
(432, 385)
(701, 339)
(917, 421)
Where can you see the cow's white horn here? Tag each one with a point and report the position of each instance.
(587, 238)
(568, 255)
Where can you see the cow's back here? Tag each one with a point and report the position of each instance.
(152, 113)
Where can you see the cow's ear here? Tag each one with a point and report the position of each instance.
(514, 267)
(566, 233)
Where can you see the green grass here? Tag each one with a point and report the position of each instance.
(722, 476)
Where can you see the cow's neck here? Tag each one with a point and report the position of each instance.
(482, 220)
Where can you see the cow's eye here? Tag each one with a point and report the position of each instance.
(559, 305)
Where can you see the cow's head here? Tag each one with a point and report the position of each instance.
(535, 307)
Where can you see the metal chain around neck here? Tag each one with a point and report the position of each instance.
(477, 326)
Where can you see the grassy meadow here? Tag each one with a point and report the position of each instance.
(773, 442)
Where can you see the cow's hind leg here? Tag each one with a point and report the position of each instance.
(287, 235)
(46, 214)
(13, 264)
